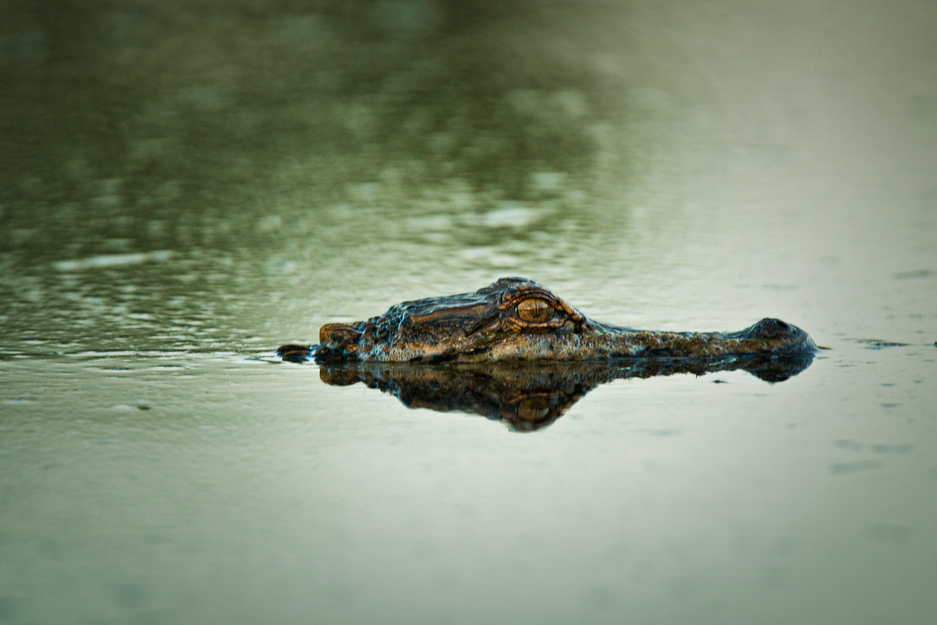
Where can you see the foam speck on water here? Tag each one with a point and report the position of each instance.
(112, 260)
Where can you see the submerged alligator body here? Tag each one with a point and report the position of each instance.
(517, 319)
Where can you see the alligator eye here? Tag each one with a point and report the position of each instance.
(535, 311)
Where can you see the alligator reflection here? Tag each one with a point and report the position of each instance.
(530, 396)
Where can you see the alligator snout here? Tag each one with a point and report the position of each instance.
(776, 336)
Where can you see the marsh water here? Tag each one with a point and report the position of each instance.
(186, 186)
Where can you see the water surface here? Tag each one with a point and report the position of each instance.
(190, 188)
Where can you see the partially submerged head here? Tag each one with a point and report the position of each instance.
(517, 319)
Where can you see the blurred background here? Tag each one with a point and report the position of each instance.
(185, 185)
(254, 124)
(415, 147)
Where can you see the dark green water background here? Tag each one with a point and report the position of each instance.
(186, 185)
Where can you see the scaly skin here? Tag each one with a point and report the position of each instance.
(517, 319)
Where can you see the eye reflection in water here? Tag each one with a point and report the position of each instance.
(530, 396)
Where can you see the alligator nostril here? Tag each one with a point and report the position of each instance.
(336, 334)
(772, 328)
(767, 328)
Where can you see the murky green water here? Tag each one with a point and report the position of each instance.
(184, 187)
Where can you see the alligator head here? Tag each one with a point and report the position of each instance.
(517, 319)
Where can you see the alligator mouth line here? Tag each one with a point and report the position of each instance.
(517, 319)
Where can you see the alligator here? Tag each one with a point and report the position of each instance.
(518, 319)
(528, 396)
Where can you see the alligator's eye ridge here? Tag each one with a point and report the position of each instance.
(535, 311)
